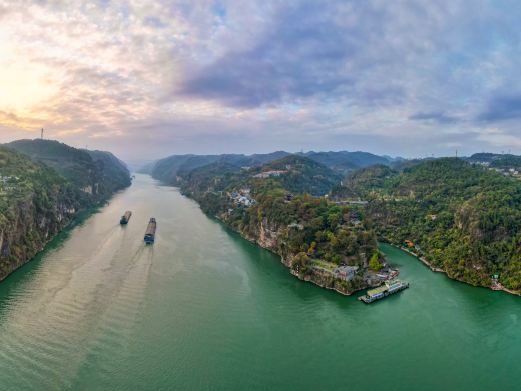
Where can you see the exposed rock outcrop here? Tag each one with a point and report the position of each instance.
(38, 200)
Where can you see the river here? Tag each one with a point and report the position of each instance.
(204, 309)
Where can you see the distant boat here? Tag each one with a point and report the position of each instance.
(150, 233)
(125, 218)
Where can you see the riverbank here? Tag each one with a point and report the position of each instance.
(422, 259)
(19, 252)
(497, 287)
(285, 261)
(269, 239)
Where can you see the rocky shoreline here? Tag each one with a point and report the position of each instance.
(422, 259)
(14, 253)
(497, 287)
(268, 241)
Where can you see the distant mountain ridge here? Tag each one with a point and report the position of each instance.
(294, 173)
(169, 168)
(345, 161)
(496, 160)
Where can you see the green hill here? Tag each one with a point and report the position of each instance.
(464, 219)
(113, 173)
(497, 160)
(312, 235)
(169, 169)
(98, 173)
(302, 175)
(43, 185)
(344, 161)
(293, 173)
(35, 204)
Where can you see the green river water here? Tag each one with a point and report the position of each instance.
(203, 309)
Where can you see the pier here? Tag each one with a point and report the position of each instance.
(388, 288)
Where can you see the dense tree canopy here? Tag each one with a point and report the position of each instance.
(463, 218)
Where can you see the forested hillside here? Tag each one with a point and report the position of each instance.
(113, 174)
(43, 188)
(462, 218)
(271, 206)
(345, 161)
(98, 173)
(35, 204)
(169, 169)
(293, 173)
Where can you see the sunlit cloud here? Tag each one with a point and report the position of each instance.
(147, 78)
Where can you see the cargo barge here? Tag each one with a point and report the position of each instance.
(385, 290)
(125, 218)
(150, 233)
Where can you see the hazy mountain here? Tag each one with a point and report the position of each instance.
(345, 161)
(169, 168)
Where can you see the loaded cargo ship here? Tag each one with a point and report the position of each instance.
(150, 233)
(385, 290)
(125, 218)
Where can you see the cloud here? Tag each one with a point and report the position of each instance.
(313, 50)
(191, 76)
(436, 117)
(290, 60)
(502, 107)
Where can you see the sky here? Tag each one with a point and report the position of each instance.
(146, 79)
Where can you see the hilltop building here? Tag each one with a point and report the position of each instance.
(274, 173)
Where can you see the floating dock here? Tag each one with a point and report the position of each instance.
(125, 218)
(150, 233)
(385, 290)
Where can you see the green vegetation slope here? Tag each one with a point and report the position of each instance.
(98, 173)
(272, 206)
(43, 188)
(462, 218)
(169, 169)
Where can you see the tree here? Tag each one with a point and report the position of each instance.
(311, 249)
(374, 263)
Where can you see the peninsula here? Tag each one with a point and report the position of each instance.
(279, 205)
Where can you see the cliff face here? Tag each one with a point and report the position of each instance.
(111, 174)
(273, 236)
(37, 201)
(27, 228)
(267, 235)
